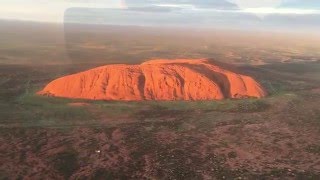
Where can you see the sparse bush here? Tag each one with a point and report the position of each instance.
(232, 154)
(252, 106)
(65, 163)
(315, 149)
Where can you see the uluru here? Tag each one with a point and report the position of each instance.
(179, 79)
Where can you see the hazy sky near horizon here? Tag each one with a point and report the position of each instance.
(289, 13)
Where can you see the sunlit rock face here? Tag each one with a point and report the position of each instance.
(181, 79)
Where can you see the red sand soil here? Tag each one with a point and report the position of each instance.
(181, 79)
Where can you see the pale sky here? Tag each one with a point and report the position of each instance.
(48, 10)
(54, 10)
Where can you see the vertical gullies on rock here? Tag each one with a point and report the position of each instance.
(182, 79)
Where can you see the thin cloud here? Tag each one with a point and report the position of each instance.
(281, 11)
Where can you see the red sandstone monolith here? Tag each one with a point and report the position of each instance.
(182, 79)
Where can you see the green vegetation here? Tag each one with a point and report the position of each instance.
(32, 110)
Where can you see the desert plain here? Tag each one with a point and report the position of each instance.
(41, 137)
